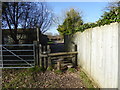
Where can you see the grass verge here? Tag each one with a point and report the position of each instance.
(72, 70)
(87, 82)
(58, 71)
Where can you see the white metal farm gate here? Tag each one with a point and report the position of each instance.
(17, 56)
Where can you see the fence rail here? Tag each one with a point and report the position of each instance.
(62, 53)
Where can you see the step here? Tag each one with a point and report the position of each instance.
(69, 65)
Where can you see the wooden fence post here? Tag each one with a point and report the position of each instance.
(1, 62)
(59, 61)
(36, 44)
(74, 59)
(1, 58)
(49, 64)
(46, 52)
(43, 58)
(40, 53)
(38, 34)
(75, 47)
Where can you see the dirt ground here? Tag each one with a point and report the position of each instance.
(23, 78)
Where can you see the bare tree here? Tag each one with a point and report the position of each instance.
(112, 5)
(25, 15)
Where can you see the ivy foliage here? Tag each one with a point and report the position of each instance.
(86, 26)
(113, 15)
(73, 23)
(109, 17)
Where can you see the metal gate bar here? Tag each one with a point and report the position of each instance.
(18, 56)
(1, 58)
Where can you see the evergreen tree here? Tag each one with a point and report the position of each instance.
(71, 23)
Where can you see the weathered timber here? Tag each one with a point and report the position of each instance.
(57, 57)
(44, 50)
(1, 58)
(36, 52)
(58, 54)
(48, 59)
(40, 59)
(59, 61)
(62, 53)
(0, 22)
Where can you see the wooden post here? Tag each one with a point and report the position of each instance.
(49, 63)
(74, 59)
(66, 37)
(36, 53)
(59, 64)
(46, 62)
(75, 55)
(48, 49)
(37, 46)
(40, 53)
(44, 58)
(38, 34)
(1, 62)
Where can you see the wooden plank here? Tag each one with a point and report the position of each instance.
(62, 53)
(59, 61)
(43, 55)
(57, 57)
(58, 54)
(38, 34)
(1, 57)
(1, 36)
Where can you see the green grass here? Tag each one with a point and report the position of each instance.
(50, 42)
(71, 70)
(86, 81)
(49, 69)
(19, 78)
(58, 71)
(36, 69)
(16, 80)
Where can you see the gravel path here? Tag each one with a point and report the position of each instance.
(65, 80)
(48, 79)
